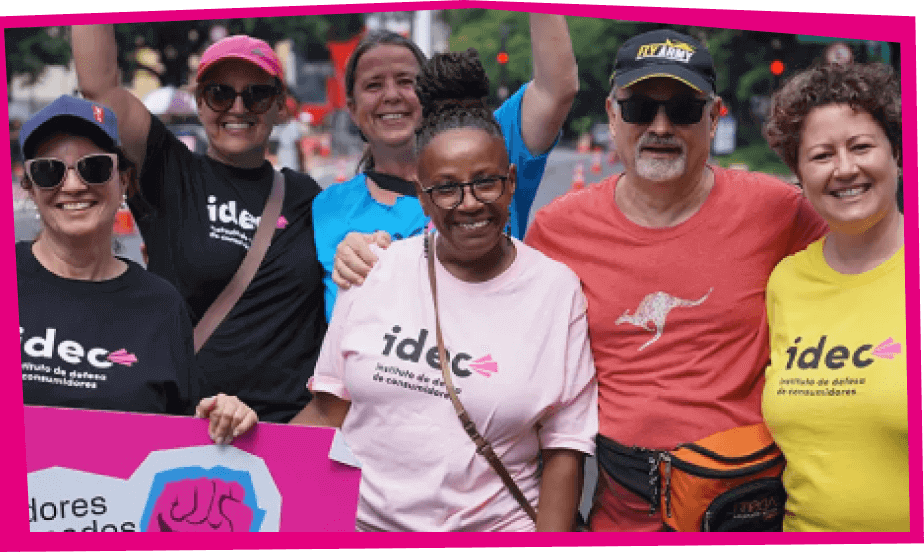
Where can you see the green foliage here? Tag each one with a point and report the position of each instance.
(742, 60)
(583, 124)
(29, 50)
(758, 157)
(481, 29)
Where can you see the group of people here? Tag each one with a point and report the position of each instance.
(665, 304)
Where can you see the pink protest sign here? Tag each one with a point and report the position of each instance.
(92, 471)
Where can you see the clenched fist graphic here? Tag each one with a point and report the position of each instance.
(201, 505)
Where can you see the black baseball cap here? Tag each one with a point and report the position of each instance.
(664, 53)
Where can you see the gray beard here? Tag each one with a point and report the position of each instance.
(659, 170)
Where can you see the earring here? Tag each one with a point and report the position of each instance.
(124, 205)
(508, 230)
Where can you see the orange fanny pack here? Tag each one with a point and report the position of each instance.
(729, 481)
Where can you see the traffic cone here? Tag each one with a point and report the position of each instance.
(597, 161)
(577, 180)
(583, 144)
(342, 170)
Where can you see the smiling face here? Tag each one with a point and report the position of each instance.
(661, 151)
(472, 232)
(238, 137)
(847, 168)
(383, 103)
(76, 210)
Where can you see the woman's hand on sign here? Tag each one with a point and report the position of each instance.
(354, 259)
(228, 417)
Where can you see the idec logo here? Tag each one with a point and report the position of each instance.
(887, 349)
(227, 213)
(122, 357)
(484, 366)
(838, 356)
(412, 350)
(72, 352)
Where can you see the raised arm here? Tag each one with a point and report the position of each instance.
(549, 95)
(95, 56)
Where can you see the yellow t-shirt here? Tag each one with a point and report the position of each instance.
(836, 395)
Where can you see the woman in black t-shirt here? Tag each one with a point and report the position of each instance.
(98, 331)
(198, 214)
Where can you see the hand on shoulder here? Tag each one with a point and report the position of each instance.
(354, 258)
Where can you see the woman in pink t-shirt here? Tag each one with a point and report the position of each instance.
(515, 330)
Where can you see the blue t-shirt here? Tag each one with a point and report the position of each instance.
(349, 207)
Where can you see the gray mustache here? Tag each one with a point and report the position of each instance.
(658, 141)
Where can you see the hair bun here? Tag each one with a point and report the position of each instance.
(454, 80)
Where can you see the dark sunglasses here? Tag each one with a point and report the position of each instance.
(258, 98)
(680, 110)
(48, 173)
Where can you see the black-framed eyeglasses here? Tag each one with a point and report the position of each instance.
(48, 173)
(258, 98)
(449, 195)
(680, 110)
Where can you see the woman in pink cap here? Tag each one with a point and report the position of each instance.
(198, 215)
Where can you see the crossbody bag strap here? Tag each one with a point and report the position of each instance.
(482, 446)
(233, 291)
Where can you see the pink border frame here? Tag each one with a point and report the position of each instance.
(886, 28)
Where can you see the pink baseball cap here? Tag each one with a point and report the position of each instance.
(242, 47)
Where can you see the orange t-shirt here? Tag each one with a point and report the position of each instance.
(676, 316)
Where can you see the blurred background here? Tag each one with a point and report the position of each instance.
(158, 62)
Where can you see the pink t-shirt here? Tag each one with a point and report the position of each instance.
(522, 367)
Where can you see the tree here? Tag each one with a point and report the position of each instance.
(30, 50)
(176, 41)
(481, 29)
(742, 59)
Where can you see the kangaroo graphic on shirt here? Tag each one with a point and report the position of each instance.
(653, 311)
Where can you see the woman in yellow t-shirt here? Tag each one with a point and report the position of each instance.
(836, 389)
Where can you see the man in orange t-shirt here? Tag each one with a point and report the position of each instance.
(674, 256)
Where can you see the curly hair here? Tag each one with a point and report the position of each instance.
(452, 89)
(873, 88)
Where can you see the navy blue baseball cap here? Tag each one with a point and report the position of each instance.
(73, 115)
(664, 53)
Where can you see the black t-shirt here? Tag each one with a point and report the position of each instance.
(122, 344)
(197, 217)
